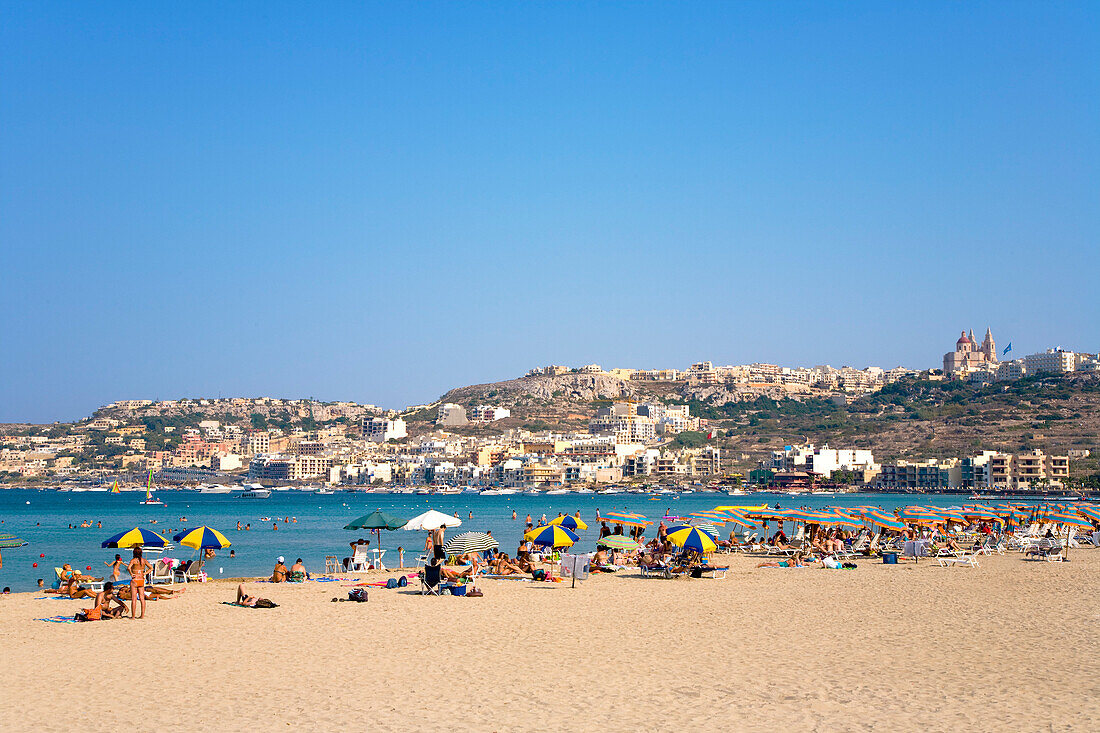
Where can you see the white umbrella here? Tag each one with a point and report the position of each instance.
(432, 519)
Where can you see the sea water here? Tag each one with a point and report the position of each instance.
(43, 517)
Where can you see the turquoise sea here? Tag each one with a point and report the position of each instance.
(43, 517)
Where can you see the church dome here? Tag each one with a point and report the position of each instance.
(963, 340)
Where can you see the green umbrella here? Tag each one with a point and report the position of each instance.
(8, 541)
(377, 521)
(617, 542)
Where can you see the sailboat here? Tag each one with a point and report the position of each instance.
(149, 498)
(114, 487)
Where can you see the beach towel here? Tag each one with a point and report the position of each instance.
(269, 604)
(58, 620)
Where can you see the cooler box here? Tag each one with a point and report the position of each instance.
(889, 558)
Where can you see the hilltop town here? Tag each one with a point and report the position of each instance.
(978, 423)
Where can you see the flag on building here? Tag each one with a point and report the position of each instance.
(1007, 349)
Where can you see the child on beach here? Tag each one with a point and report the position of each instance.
(115, 566)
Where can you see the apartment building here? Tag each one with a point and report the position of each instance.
(488, 413)
(450, 415)
(1051, 361)
(823, 461)
(380, 429)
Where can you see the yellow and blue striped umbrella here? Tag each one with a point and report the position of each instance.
(551, 535)
(134, 538)
(202, 538)
(569, 522)
(691, 538)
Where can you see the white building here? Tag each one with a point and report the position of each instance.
(1055, 361)
(823, 460)
(380, 430)
(487, 413)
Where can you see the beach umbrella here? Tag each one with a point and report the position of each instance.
(377, 521)
(1092, 512)
(8, 541)
(708, 528)
(919, 515)
(1069, 517)
(551, 535)
(882, 519)
(432, 519)
(626, 518)
(466, 542)
(569, 522)
(136, 537)
(202, 538)
(840, 520)
(617, 542)
(691, 538)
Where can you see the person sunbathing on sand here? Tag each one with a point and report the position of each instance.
(468, 572)
(151, 593)
(796, 561)
(243, 599)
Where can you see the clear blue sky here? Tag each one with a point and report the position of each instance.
(379, 202)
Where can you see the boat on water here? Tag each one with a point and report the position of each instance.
(215, 489)
(150, 500)
(254, 491)
(324, 492)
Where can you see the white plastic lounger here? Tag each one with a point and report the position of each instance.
(969, 561)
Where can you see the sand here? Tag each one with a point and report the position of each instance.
(1009, 645)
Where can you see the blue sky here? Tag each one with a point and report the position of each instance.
(379, 202)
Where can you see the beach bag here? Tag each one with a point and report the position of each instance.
(391, 583)
(538, 574)
(357, 594)
(402, 582)
(265, 603)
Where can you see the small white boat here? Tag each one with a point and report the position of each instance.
(324, 492)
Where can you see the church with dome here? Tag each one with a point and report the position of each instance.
(969, 354)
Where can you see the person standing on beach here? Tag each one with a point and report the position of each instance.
(137, 569)
(437, 540)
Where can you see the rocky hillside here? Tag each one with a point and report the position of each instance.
(908, 419)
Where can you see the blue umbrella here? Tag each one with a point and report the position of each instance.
(135, 537)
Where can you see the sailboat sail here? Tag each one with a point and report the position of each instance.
(114, 488)
(149, 487)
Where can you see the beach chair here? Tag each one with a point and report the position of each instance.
(964, 560)
(162, 572)
(431, 580)
(359, 560)
(86, 583)
(186, 574)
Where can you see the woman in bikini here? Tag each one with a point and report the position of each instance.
(137, 569)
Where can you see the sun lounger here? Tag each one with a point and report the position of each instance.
(92, 584)
(970, 561)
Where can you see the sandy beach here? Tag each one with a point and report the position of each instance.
(1011, 644)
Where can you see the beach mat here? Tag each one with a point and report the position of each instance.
(59, 620)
